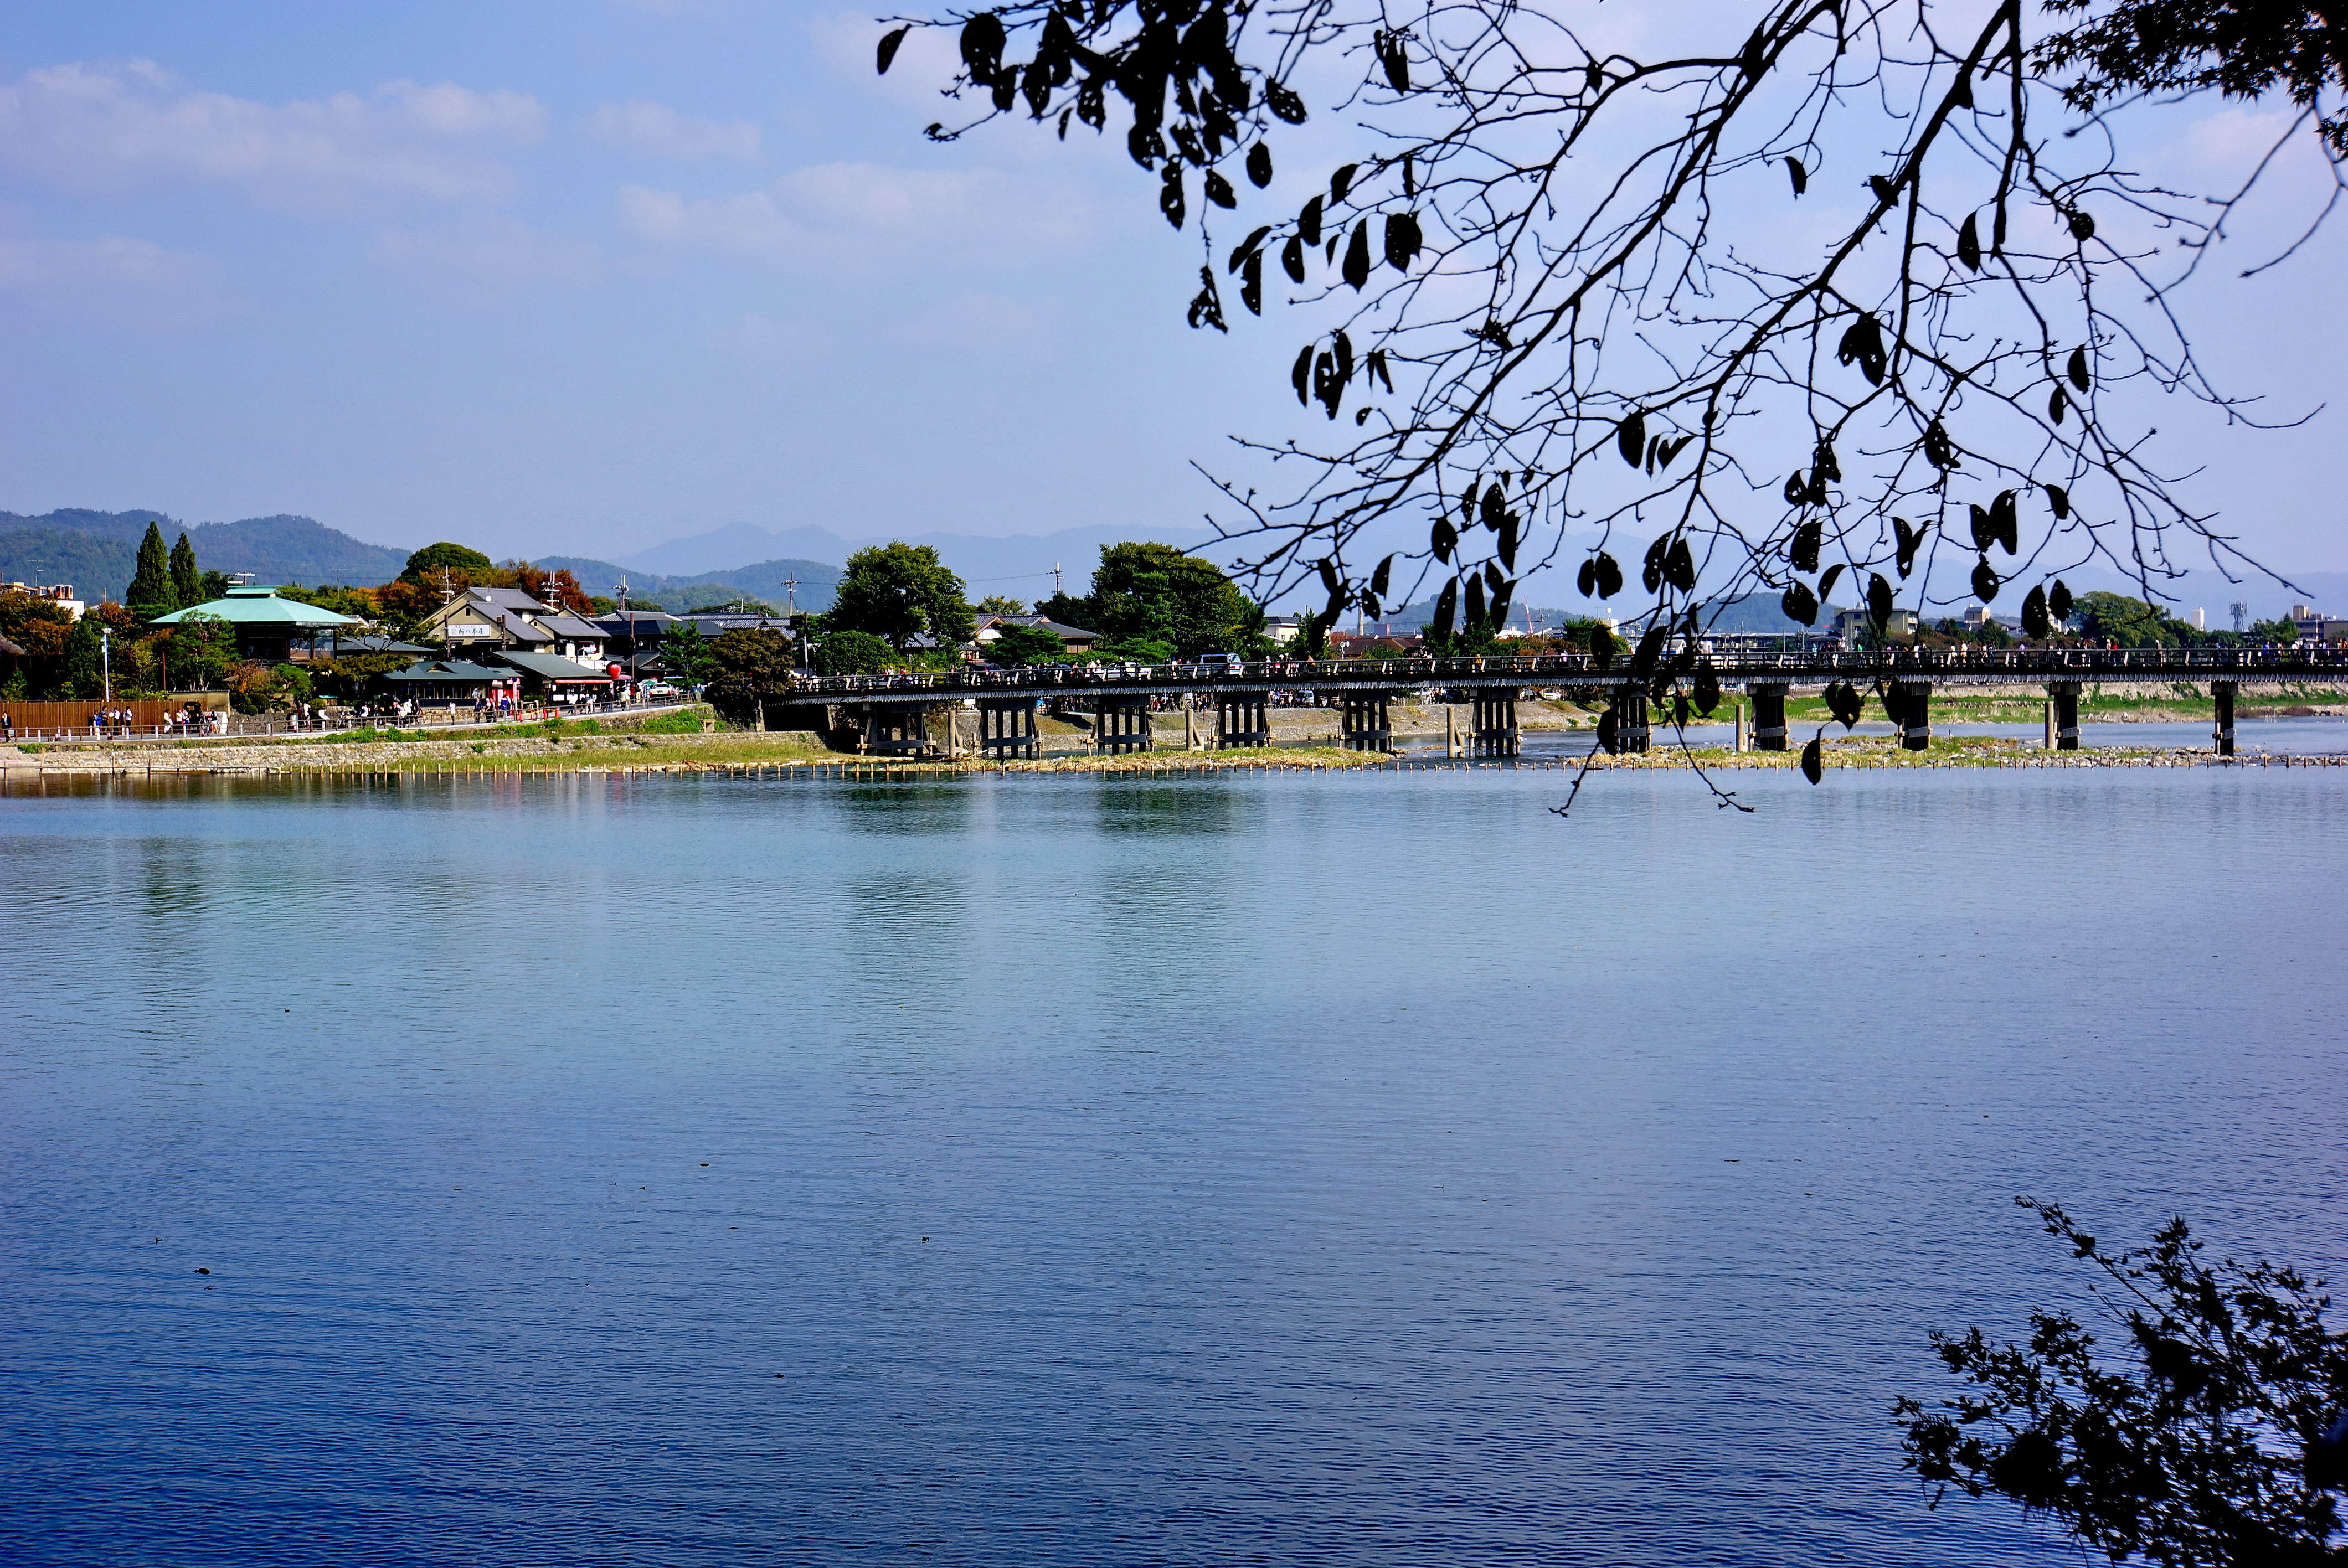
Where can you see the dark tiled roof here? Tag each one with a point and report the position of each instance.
(552, 666)
(446, 670)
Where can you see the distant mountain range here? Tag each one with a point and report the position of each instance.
(97, 551)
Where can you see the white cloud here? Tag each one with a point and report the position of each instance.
(657, 131)
(859, 212)
(29, 264)
(98, 126)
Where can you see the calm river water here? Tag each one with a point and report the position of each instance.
(1298, 1169)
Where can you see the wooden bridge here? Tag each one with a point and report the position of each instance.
(892, 714)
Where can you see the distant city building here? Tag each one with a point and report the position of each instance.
(1074, 638)
(506, 620)
(60, 594)
(1852, 624)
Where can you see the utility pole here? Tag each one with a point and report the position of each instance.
(790, 597)
(105, 657)
(1056, 579)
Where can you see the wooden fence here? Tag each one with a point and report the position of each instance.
(145, 712)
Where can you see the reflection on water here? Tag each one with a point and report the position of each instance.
(1071, 1170)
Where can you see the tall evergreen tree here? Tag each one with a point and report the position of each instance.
(151, 593)
(186, 581)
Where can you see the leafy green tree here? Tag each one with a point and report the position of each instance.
(1154, 592)
(1024, 645)
(846, 651)
(41, 627)
(2173, 47)
(201, 652)
(2280, 630)
(465, 565)
(997, 604)
(1136, 651)
(898, 591)
(687, 654)
(2130, 622)
(213, 586)
(187, 583)
(83, 673)
(752, 663)
(2209, 1438)
(151, 591)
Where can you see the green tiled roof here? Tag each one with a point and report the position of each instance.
(253, 605)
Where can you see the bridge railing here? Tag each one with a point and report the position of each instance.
(1568, 669)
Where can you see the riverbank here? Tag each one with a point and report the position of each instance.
(793, 755)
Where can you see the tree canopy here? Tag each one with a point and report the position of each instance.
(2211, 1437)
(844, 651)
(427, 564)
(1024, 645)
(897, 591)
(687, 654)
(1153, 593)
(1824, 292)
(751, 663)
(187, 583)
(151, 591)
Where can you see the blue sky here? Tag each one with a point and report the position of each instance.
(579, 278)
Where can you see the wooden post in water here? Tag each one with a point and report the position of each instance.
(2223, 690)
(1769, 714)
(2066, 714)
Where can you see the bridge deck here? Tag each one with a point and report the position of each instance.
(2198, 667)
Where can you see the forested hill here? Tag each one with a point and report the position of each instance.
(97, 551)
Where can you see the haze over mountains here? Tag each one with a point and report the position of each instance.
(97, 552)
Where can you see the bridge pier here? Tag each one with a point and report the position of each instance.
(2223, 690)
(1120, 724)
(1363, 721)
(897, 729)
(1006, 728)
(1630, 719)
(1240, 721)
(1493, 730)
(2066, 714)
(1912, 712)
(1769, 714)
